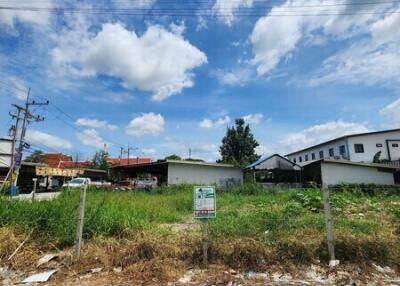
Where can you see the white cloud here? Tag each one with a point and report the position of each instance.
(233, 77)
(51, 141)
(90, 137)
(274, 39)
(95, 123)
(225, 9)
(262, 150)
(372, 61)
(253, 118)
(208, 123)
(149, 151)
(15, 86)
(392, 112)
(158, 61)
(129, 4)
(320, 133)
(10, 17)
(147, 124)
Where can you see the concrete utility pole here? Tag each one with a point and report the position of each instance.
(27, 118)
(120, 155)
(128, 152)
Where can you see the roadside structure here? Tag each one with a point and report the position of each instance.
(174, 172)
(274, 170)
(363, 147)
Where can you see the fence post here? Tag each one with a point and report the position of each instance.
(205, 241)
(34, 189)
(329, 225)
(79, 228)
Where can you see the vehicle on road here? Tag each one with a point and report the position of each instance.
(77, 182)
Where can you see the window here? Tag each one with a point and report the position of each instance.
(342, 150)
(395, 145)
(321, 154)
(359, 148)
(306, 157)
(312, 156)
(300, 159)
(331, 152)
(379, 145)
(294, 160)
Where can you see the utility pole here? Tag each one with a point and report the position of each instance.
(28, 117)
(128, 152)
(120, 155)
(190, 153)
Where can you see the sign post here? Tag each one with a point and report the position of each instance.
(204, 208)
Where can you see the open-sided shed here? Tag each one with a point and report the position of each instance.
(274, 169)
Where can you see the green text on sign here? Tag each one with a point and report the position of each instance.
(204, 202)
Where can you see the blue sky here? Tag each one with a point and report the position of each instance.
(166, 84)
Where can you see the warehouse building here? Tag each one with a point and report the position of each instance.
(174, 172)
(333, 172)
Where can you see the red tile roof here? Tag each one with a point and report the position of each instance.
(126, 161)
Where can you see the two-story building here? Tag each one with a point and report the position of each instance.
(362, 147)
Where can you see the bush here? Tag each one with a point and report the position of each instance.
(367, 189)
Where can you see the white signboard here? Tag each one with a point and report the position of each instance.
(204, 203)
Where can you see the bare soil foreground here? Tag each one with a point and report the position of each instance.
(260, 237)
(175, 260)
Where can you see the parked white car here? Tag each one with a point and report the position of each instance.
(77, 182)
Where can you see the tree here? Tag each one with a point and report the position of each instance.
(36, 157)
(173, 157)
(377, 157)
(100, 160)
(238, 145)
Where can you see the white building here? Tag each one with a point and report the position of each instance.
(355, 147)
(173, 172)
(5, 152)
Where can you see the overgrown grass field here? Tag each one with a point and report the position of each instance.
(288, 224)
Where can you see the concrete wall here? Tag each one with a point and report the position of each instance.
(370, 148)
(336, 173)
(325, 148)
(5, 153)
(199, 174)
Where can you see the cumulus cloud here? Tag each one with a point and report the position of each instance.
(225, 9)
(262, 150)
(15, 86)
(319, 133)
(90, 137)
(149, 151)
(372, 61)
(11, 17)
(392, 112)
(274, 39)
(159, 61)
(233, 77)
(208, 123)
(253, 118)
(146, 124)
(95, 123)
(51, 141)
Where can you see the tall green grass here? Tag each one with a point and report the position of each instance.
(267, 215)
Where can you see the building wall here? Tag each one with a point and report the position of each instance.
(336, 173)
(370, 148)
(199, 174)
(325, 148)
(5, 153)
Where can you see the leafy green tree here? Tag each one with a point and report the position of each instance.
(100, 160)
(173, 157)
(36, 157)
(238, 145)
(377, 157)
